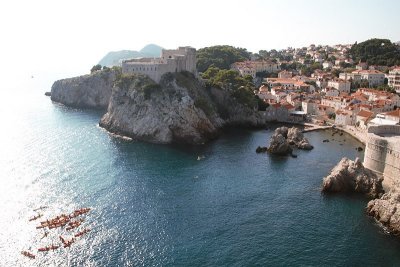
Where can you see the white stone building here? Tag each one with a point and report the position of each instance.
(374, 77)
(339, 84)
(176, 60)
(394, 79)
(252, 67)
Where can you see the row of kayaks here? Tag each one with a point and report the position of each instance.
(62, 220)
(66, 244)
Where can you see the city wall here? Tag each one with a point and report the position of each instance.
(382, 152)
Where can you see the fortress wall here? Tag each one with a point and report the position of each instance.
(181, 59)
(375, 153)
(151, 70)
(384, 129)
(382, 154)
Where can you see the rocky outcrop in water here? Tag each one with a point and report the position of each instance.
(178, 110)
(284, 138)
(351, 176)
(296, 137)
(278, 143)
(87, 91)
(387, 211)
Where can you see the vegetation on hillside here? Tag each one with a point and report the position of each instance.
(220, 56)
(376, 52)
(241, 88)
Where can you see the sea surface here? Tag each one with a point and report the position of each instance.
(158, 205)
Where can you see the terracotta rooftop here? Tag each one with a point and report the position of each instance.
(394, 113)
(365, 113)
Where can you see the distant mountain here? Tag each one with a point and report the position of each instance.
(114, 57)
(151, 50)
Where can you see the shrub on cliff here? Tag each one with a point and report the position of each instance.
(95, 68)
(138, 81)
(148, 89)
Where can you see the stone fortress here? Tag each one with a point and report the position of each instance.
(175, 60)
(382, 153)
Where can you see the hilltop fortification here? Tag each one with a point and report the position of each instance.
(175, 60)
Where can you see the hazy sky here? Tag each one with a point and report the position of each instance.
(69, 37)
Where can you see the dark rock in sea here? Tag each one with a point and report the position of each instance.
(325, 140)
(293, 155)
(260, 149)
(359, 149)
(283, 138)
(351, 176)
(278, 144)
(341, 134)
(47, 94)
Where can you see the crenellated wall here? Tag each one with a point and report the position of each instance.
(382, 151)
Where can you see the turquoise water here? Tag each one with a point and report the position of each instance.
(157, 205)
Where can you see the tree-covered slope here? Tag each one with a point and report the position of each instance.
(376, 52)
(220, 56)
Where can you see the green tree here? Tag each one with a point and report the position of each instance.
(95, 68)
(220, 56)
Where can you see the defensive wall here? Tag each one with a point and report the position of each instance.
(382, 152)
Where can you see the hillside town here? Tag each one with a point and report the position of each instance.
(329, 88)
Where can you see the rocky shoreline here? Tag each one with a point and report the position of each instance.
(351, 176)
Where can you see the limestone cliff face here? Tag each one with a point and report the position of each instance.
(178, 110)
(87, 91)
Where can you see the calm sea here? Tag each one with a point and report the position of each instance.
(157, 205)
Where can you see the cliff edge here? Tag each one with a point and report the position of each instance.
(178, 110)
(87, 91)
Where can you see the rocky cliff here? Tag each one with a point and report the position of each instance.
(87, 91)
(387, 211)
(351, 176)
(178, 110)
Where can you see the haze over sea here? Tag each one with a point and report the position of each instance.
(157, 205)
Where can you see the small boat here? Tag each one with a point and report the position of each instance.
(68, 243)
(52, 247)
(82, 232)
(40, 208)
(28, 254)
(35, 217)
(78, 212)
(201, 157)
